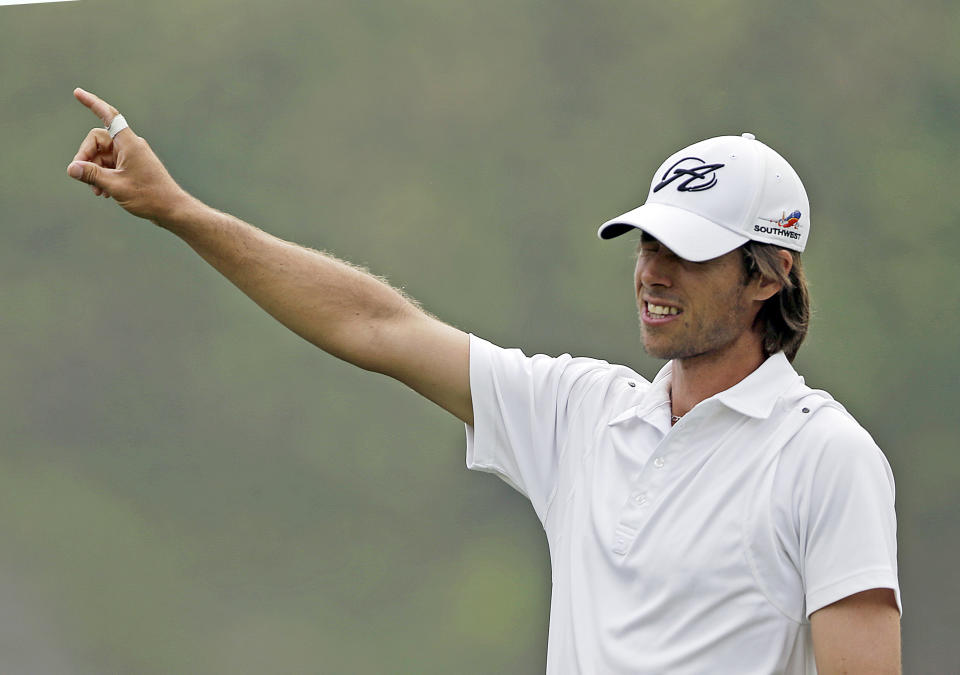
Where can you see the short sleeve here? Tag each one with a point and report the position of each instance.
(847, 522)
(523, 408)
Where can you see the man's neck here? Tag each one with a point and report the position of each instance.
(700, 377)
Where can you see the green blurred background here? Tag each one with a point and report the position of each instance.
(187, 487)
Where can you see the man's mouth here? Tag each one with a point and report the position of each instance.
(658, 314)
(661, 310)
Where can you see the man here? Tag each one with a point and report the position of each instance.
(723, 518)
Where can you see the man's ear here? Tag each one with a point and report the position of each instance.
(768, 287)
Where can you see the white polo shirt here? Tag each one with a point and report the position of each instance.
(698, 548)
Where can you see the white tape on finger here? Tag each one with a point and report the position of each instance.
(117, 125)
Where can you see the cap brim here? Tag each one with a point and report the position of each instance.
(690, 236)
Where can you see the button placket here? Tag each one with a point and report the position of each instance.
(631, 520)
(643, 488)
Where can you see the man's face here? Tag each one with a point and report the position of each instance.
(690, 309)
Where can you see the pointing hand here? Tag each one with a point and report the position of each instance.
(123, 167)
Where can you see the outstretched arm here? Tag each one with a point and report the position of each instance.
(333, 304)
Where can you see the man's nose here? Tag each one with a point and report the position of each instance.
(654, 270)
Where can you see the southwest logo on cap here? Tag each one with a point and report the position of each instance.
(792, 220)
(700, 175)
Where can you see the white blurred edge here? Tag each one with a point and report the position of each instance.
(29, 2)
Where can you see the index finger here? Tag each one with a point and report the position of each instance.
(98, 106)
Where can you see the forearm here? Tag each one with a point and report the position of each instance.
(334, 305)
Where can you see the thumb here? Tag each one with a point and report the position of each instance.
(91, 173)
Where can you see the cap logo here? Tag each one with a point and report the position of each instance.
(699, 175)
(791, 220)
(788, 225)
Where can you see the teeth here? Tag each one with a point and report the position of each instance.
(663, 310)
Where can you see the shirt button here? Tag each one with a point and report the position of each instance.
(658, 462)
(640, 499)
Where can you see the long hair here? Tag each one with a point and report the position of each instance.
(785, 317)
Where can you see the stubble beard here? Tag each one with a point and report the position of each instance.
(703, 336)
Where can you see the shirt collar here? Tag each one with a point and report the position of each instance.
(757, 393)
(656, 395)
(753, 396)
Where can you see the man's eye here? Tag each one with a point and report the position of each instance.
(647, 250)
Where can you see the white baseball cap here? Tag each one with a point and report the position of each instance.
(716, 195)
